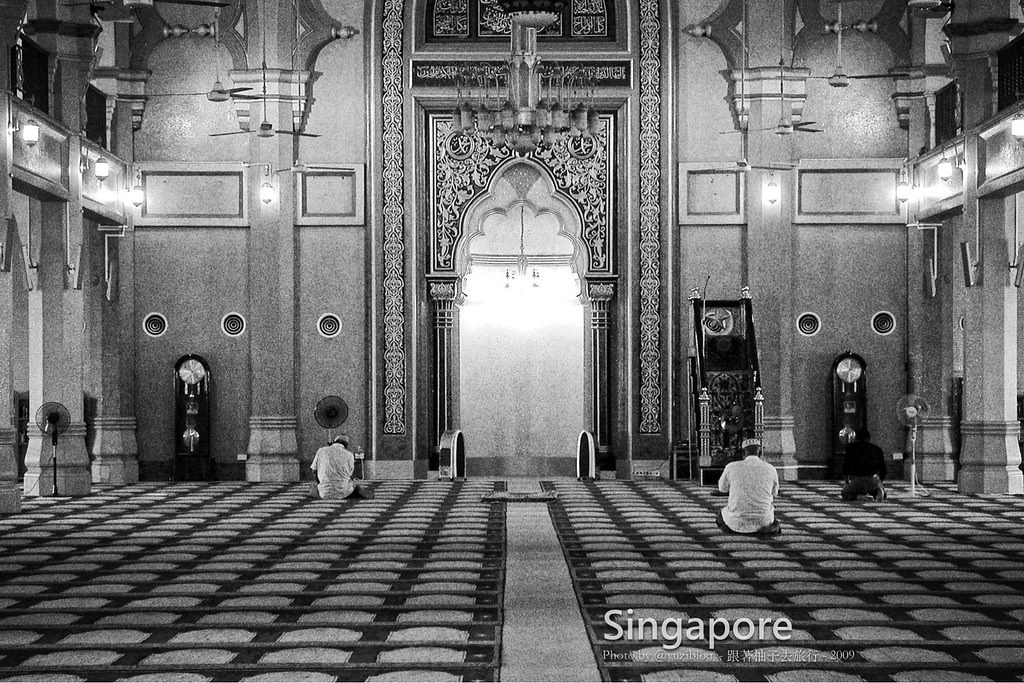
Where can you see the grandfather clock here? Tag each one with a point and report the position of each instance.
(192, 461)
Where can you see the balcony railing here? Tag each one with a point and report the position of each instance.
(30, 69)
(1011, 73)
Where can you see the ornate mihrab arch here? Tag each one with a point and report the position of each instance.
(462, 166)
(393, 297)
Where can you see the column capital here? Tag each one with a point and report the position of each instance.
(128, 87)
(443, 290)
(600, 293)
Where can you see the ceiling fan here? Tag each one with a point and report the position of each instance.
(218, 93)
(266, 128)
(839, 78)
(937, 7)
(135, 4)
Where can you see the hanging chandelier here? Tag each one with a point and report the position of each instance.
(535, 108)
(522, 269)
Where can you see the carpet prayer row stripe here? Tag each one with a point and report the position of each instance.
(239, 581)
(910, 589)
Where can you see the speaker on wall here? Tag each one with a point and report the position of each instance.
(967, 259)
(1019, 277)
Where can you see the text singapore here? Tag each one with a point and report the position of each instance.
(673, 631)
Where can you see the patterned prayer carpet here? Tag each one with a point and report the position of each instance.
(237, 581)
(924, 588)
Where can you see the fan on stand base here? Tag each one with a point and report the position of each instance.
(911, 411)
(54, 419)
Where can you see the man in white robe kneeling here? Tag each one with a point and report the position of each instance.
(334, 465)
(752, 485)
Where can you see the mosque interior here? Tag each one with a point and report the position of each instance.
(547, 263)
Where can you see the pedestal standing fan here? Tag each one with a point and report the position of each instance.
(53, 419)
(330, 413)
(911, 410)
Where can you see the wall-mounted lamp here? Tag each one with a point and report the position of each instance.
(30, 132)
(945, 168)
(267, 193)
(772, 191)
(904, 192)
(1017, 126)
(137, 195)
(102, 169)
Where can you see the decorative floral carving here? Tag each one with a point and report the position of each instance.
(601, 291)
(464, 164)
(394, 220)
(442, 290)
(650, 217)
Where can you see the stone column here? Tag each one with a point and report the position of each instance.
(273, 451)
(600, 295)
(109, 355)
(930, 317)
(10, 493)
(769, 262)
(273, 444)
(443, 294)
(772, 90)
(115, 449)
(990, 454)
(56, 324)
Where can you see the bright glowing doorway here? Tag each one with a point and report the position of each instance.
(521, 347)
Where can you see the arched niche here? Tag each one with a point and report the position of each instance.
(488, 234)
(521, 186)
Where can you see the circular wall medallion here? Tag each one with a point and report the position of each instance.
(329, 325)
(808, 324)
(460, 146)
(233, 324)
(154, 324)
(883, 323)
(582, 147)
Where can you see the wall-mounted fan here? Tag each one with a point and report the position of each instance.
(54, 419)
(911, 411)
(330, 413)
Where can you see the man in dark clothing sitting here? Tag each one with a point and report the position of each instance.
(864, 469)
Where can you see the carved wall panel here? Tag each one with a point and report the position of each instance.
(462, 166)
(393, 193)
(650, 217)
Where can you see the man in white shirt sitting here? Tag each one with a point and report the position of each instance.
(334, 465)
(752, 485)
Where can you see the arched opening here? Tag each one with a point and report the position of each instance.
(521, 340)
